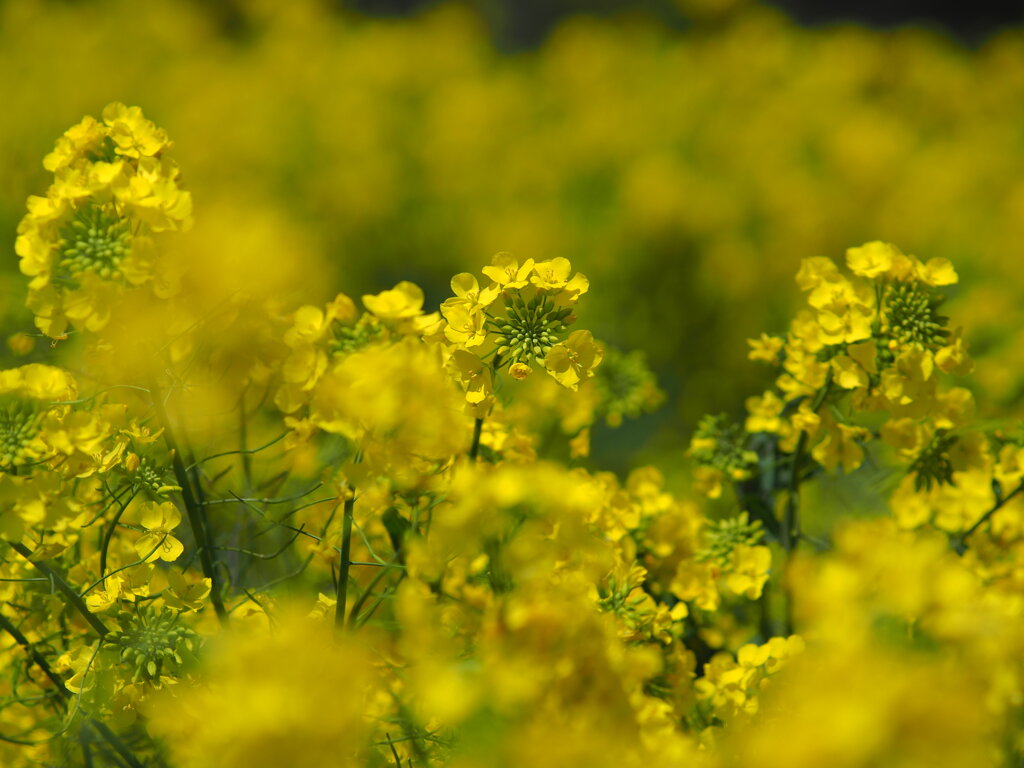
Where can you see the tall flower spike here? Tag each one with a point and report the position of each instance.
(90, 238)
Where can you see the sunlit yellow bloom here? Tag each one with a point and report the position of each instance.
(467, 291)
(475, 376)
(158, 542)
(574, 360)
(841, 447)
(766, 348)
(75, 143)
(749, 570)
(507, 272)
(871, 259)
(953, 358)
(403, 301)
(764, 413)
(134, 135)
(937, 272)
(551, 275)
(465, 323)
(519, 371)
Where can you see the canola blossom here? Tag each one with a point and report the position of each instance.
(255, 532)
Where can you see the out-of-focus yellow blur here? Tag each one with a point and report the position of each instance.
(685, 172)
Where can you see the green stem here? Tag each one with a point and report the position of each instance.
(474, 449)
(66, 589)
(960, 542)
(345, 561)
(8, 626)
(791, 521)
(361, 600)
(195, 515)
(109, 534)
(116, 743)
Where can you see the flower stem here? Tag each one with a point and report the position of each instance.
(66, 589)
(960, 542)
(345, 561)
(791, 520)
(8, 626)
(474, 448)
(195, 515)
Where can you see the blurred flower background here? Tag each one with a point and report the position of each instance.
(248, 523)
(685, 155)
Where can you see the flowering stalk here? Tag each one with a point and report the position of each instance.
(196, 519)
(960, 542)
(474, 448)
(65, 589)
(345, 560)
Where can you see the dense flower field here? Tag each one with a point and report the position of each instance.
(247, 520)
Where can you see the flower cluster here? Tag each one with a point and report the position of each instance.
(384, 557)
(92, 235)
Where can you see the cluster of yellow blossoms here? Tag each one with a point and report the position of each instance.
(92, 235)
(379, 562)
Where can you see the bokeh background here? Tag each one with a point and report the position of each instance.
(684, 154)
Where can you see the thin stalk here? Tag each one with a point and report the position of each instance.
(66, 589)
(960, 542)
(195, 516)
(474, 448)
(791, 519)
(109, 534)
(361, 600)
(8, 626)
(118, 745)
(345, 561)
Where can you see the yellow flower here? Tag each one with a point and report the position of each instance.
(134, 135)
(403, 301)
(766, 348)
(519, 371)
(937, 272)
(75, 143)
(749, 570)
(474, 375)
(849, 324)
(467, 291)
(89, 240)
(579, 446)
(45, 383)
(871, 259)
(507, 272)
(765, 413)
(841, 447)
(953, 358)
(158, 543)
(186, 592)
(465, 323)
(847, 373)
(574, 360)
(551, 275)
(816, 272)
(262, 700)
